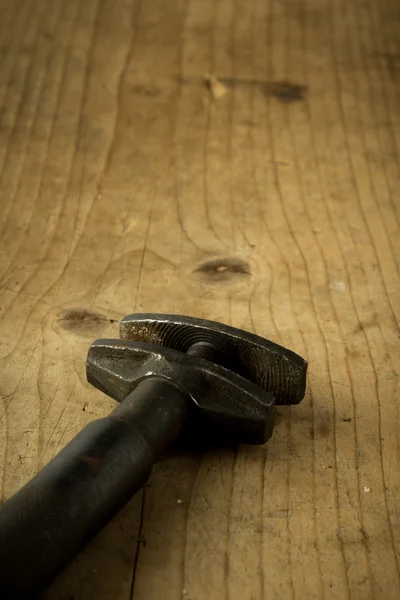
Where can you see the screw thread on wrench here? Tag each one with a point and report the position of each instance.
(203, 350)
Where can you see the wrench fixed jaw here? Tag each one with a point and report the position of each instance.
(224, 405)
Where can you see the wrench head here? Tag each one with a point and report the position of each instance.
(273, 368)
(226, 407)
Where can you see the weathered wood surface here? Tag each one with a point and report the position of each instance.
(124, 177)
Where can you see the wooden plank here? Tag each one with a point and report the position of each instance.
(234, 160)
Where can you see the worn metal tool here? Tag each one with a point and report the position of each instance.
(173, 377)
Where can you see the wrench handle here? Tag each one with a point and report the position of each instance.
(52, 517)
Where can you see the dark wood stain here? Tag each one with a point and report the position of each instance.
(224, 269)
(81, 320)
(284, 91)
(323, 428)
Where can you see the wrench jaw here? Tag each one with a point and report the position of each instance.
(273, 368)
(233, 377)
(224, 405)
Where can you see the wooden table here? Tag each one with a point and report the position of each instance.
(233, 160)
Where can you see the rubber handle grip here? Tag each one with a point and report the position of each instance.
(50, 519)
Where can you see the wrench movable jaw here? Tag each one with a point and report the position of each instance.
(272, 367)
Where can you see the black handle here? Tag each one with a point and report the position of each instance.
(51, 518)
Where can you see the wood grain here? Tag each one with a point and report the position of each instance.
(272, 203)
